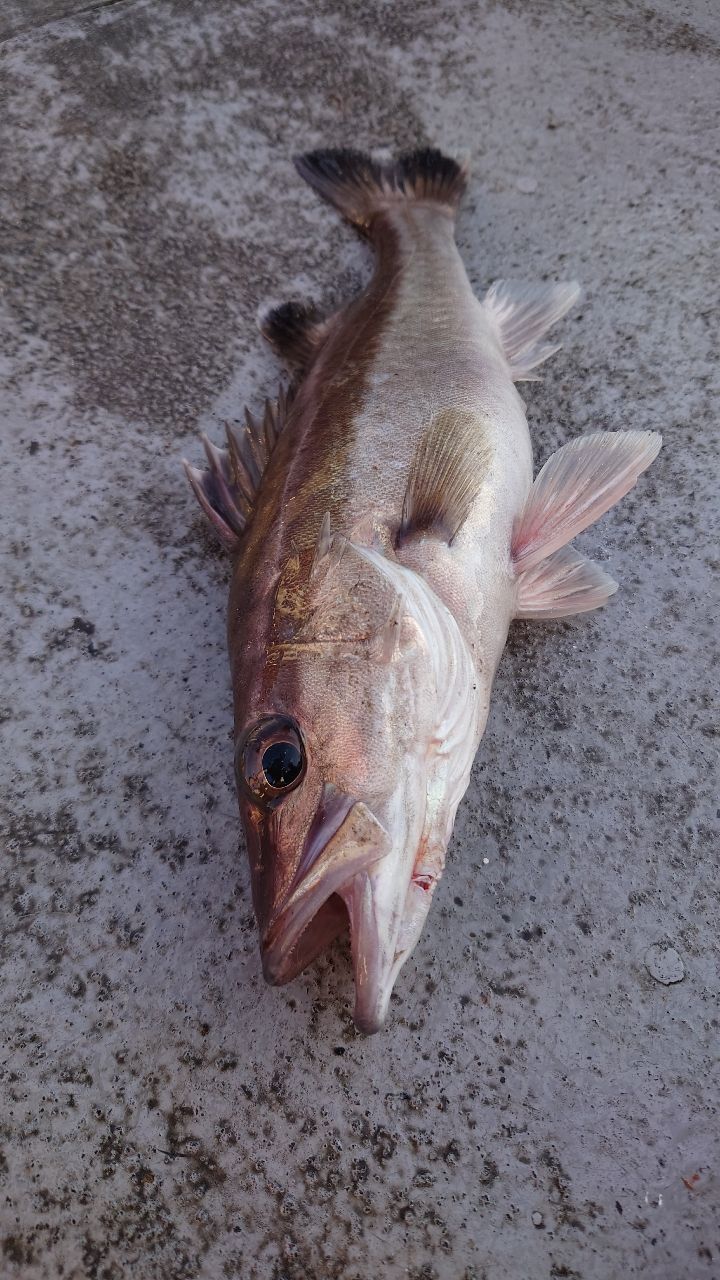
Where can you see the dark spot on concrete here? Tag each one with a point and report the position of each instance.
(531, 933)
(17, 1250)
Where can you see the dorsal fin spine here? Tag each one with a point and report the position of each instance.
(227, 489)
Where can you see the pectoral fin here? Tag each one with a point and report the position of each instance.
(446, 475)
(577, 485)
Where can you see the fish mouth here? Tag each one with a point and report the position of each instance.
(333, 887)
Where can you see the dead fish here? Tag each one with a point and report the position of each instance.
(385, 530)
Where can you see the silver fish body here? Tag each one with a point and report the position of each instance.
(385, 531)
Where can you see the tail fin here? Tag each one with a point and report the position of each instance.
(361, 187)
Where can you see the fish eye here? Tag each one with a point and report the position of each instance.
(271, 758)
(282, 764)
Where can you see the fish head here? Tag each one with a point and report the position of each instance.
(356, 736)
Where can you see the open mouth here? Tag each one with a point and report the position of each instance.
(282, 961)
(332, 887)
(344, 840)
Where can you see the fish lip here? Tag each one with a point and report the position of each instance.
(345, 839)
(332, 810)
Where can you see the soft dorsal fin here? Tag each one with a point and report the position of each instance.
(446, 475)
(523, 314)
(577, 485)
(564, 584)
(296, 330)
(226, 490)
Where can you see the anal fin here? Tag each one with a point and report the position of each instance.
(562, 585)
(523, 314)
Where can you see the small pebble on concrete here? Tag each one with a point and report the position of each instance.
(664, 963)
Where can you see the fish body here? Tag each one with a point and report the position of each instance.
(385, 531)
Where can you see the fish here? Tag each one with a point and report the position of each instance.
(385, 529)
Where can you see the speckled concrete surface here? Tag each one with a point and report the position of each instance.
(544, 1100)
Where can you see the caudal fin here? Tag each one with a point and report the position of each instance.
(361, 187)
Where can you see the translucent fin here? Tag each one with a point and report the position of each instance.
(296, 330)
(226, 490)
(564, 584)
(577, 485)
(523, 314)
(360, 187)
(446, 475)
(329, 550)
(210, 489)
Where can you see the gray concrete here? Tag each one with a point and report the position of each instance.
(543, 1102)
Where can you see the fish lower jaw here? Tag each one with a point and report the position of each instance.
(370, 1020)
(378, 952)
(312, 914)
(296, 938)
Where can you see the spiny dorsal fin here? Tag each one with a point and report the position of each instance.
(523, 314)
(446, 475)
(577, 485)
(564, 584)
(226, 490)
(296, 330)
(360, 187)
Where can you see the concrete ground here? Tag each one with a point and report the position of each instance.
(544, 1100)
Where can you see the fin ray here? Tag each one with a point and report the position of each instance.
(577, 485)
(564, 584)
(227, 488)
(446, 475)
(523, 314)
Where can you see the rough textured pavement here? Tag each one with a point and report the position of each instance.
(544, 1100)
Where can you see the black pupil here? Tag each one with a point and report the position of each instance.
(281, 764)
